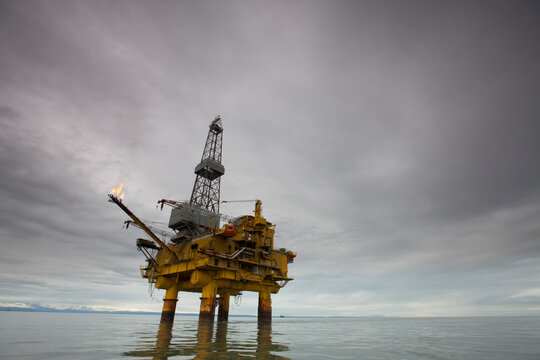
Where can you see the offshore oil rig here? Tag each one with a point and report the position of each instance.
(218, 262)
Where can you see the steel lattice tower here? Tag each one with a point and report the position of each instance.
(206, 189)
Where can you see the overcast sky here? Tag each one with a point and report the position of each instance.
(394, 143)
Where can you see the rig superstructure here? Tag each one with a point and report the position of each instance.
(203, 257)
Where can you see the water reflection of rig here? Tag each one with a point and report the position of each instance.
(202, 257)
(210, 343)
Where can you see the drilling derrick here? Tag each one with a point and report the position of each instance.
(209, 171)
(202, 257)
(202, 212)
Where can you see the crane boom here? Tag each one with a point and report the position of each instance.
(154, 228)
(172, 203)
(118, 202)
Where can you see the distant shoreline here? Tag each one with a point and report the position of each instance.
(155, 313)
(118, 312)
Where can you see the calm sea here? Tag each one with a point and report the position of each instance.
(41, 336)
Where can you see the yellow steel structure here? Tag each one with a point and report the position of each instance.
(206, 259)
(239, 257)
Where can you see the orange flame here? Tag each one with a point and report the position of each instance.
(117, 191)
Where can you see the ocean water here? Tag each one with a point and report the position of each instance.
(26, 335)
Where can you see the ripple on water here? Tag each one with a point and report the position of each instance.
(93, 336)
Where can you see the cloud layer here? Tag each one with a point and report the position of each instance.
(395, 145)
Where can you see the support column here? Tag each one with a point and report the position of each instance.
(208, 302)
(265, 306)
(223, 309)
(169, 305)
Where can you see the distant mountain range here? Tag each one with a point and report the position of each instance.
(73, 309)
(24, 307)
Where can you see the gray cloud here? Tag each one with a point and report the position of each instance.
(393, 144)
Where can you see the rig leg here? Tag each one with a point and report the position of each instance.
(265, 307)
(223, 310)
(169, 305)
(208, 303)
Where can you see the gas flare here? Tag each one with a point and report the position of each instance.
(118, 192)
